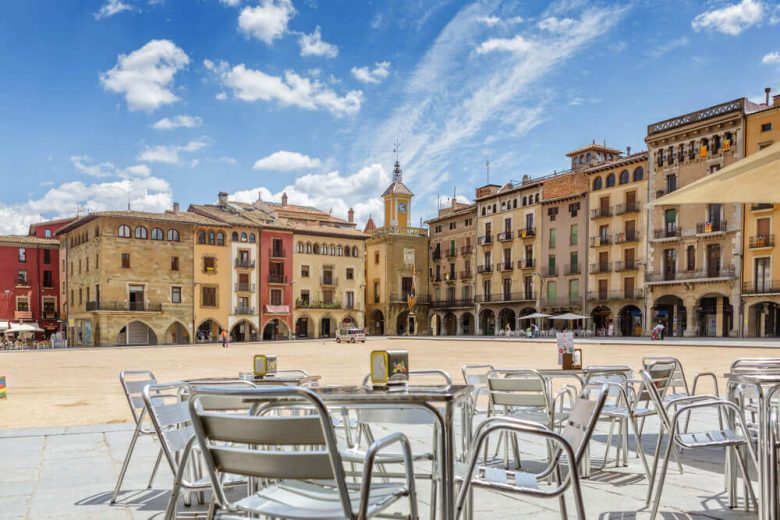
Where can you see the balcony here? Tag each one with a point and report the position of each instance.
(628, 207)
(601, 268)
(762, 241)
(485, 240)
(727, 273)
(422, 299)
(505, 236)
(629, 236)
(466, 250)
(50, 316)
(528, 263)
(328, 281)
(669, 232)
(241, 310)
(601, 212)
(450, 277)
(572, 269)
(452, 303)
(277, 278)
(526, 232)
(560, 301)
(436, 278)
(22, 282)
(485, 269)
(466, 275)
(618, 294)
(761, 287)
(504, 266)
(277, 252)
(316, 304)
(400, 231)
(245, 263)
(622, 265)
(506, 297)
(123, 306)
(761, 207)
(451, 253)
(549, 271)
(244, 287)
(705, 228)
(600, 241)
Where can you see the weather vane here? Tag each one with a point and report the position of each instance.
(487, 168)
(397, 149)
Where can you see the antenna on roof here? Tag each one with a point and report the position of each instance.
(487, 168)
(397, 150)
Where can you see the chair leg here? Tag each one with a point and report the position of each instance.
(609, 442)
(655, 466)
(156, 467)
(751, 497)
(625, 440)
(516, 450)
(561, 497)
(639, 446)
(126, 462)
(662, 477)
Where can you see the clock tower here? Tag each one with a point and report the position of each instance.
(398, 201)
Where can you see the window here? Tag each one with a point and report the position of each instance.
(175, 294)
(157, 234)
(23, 255)
(340, 250)
(212, 240)
(332, 250)
(671, 183)
(23, 304)
(574, 208)
(209, 264)
(597, 183)
(220, 239)
(48, 279)
(202, 237)
(766, 127)
(234, 236)
(690, 258)
(276, 296)
(376, 257)
(141, 233)
(208, 296)
(252, 238)
(173, 235)
(573, 235)
(299, 247)
(308, 247)
(125, 260)
(47, 256)
(624, 178)
(610, 180)
(21, 277)
(81, 296)
(304, 271)
(174, 263)
(123, 231)
(355, 251)
(244, 236)
(47, 233)
(350, 273)
(552, 213)
(350, 299)
(551, 243)
(639, 174)
(376, 292)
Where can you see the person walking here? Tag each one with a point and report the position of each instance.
(224, 338)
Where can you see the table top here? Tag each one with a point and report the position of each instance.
(401, 394)
(278, 379)
(562, 371)
(759, 377)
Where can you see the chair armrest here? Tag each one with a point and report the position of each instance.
(567, 390)
(692, 399)
(368, 467)
(705, 374)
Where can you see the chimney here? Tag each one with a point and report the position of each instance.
(259, 196)
(351, 215)
(284, 199)
(776, 101)
(222, 197)
(628, 150)
(767, 90)
(176, 207)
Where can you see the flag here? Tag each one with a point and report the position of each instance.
(411, 298)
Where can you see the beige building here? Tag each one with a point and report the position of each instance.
(129, 277)
(694, 254)
(761, 266)
(507, 282)
(453, 235)
(397, 298)
(617, 252)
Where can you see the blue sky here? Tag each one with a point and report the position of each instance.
(108, 101)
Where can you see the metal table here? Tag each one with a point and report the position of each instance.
(418, 396)
(767, 385)
(283, 379)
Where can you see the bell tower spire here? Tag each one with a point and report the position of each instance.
(398, 198)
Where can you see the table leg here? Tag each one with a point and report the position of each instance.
(765, 494)
(447, 466)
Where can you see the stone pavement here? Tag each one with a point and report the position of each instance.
(69, 473)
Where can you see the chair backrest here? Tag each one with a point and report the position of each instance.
(170, 416)
(597, 375)
(518, 388)
(755, 364)
(476, 375)
(133, 384)
(222, 403)
(661, 373)
(648, 384)
(280, 436)
(678, 379)
(579, 425)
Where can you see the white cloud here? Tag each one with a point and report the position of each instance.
(180, 121)
(556, 25)
(313, 45)
(490, 21)
(266, 21)
(112, 7)
(732, 19)
(222, 96)
(493, 21)
(290, 90)
(771, 58)
(668, 47)
(145, 76)
(518, 44)
(230, 3)
(84, 164)
(331, 191)
(285, 161)
(224, 159)
(170, 154)
(376, 75)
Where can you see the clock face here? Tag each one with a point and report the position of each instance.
(402, 207)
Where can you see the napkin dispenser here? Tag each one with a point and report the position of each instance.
(573, 361)
(265, 365)
(389, 367)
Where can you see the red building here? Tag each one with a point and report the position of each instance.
(276, 276)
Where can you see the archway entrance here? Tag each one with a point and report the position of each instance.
(208, 331)
(406, 324)
(304, 327)
(327, 327)
(136, 333)
(436, 325)
(348, 323)
(670, 312)
(450, 324)
(243, 331)
(764, 320)
(600, 316)
(506, 317)
(714, 316)
(487, 322)
(176, 334)
(275, 329)
(377, 323)
(467, 324)
(630, 321)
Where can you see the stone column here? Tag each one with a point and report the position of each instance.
(719, 317)
(458, 325)
(690, 307)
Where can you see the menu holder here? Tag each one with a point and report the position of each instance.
(264, 365)
(572, 361)
(389, 367)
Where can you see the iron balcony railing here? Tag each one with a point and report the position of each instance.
(317, 304)
(628, 207)
(277, 252)
(762, 241)
(628, 236)
(571, 269)
(528, 263)
(761, 287)
(245, 263)
(617, 294)
(504, 236)
(277, 278)
(623, 265)
(526, 232)
(698, 274)
(506, 297)
(466, 250)
(601, 212)
(601, 267)
(599, 241)
(560, 300)
(450, 277)
(244, 311)
(504, 266)
(329, 280)
(485, 239)
(245, 287)
(667, 232)
(451, 253)
(488, 268)
(124, 306)
(403, 298)
(466, 275)
(462, 302)
(549, 270)
(759, 207)
(711, 227)
(436, 278)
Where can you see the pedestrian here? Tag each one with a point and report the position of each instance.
(507, 330)
(610, 329)
(224, 338)
(658, 331)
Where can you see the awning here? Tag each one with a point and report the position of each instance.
(24, 327)
(534, 316)
(277, 309)
(751, 180)
(4, 325)
(569, 316)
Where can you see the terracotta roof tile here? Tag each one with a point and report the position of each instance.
(28, 240)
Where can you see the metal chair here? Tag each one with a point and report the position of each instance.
(734, 437)
(289, 472)
(477, 377)
(133, 383)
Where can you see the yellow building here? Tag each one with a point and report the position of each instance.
(453, 235)
(397, 298)
(761, 266)
(129, 277)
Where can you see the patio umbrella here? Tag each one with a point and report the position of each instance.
(749, 180)
(24, 327)
(533, 316)
(570, 316)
